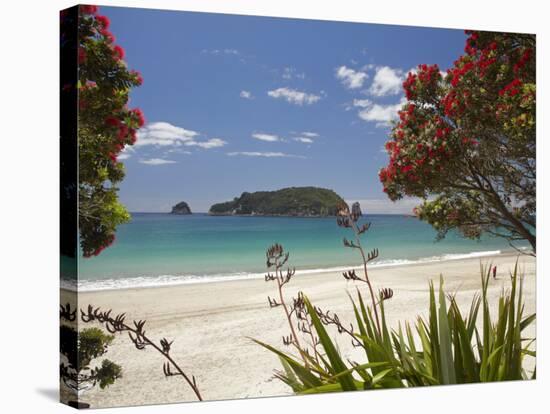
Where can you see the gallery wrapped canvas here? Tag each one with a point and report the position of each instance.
(256, 206)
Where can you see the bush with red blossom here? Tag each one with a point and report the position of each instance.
(465, 140)
(106, 126)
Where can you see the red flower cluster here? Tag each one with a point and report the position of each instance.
(409, 85)
(109, 241)
(85, 9)
(407, 115)
(118, 52)
(511, 89)
(452, 106)
(520, 64)
(427, 77)
(462, 67)
(103, 21)
(139, 115)
(137, 76)
(125, 134)
(427, 73)
(112, 121)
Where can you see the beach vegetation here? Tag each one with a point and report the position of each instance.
(447, 347)
(465, 141)
(79, 350)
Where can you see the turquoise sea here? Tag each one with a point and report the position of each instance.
(164, 249)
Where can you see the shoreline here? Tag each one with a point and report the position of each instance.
(160, 281)
(211, 324)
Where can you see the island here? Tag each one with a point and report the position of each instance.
(286, 202)
(181, 208)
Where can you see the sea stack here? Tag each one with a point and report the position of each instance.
(181, 208)
(356, 209)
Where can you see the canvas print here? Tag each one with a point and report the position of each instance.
(256, 206)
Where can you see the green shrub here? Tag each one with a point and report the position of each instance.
(450, 349)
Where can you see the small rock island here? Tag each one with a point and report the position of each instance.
(286, 202)
(181, 208)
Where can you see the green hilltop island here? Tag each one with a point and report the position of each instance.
(286, 202)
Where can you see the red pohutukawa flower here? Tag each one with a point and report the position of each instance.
(423, 82)
(122, 132)
(103, 21)
(511, 89)
(437, 125)
(139, 116)
(86, 9)
(137, 77)
(109, 37)
(112, 121)
(118, 52)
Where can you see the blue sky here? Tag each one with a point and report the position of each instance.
(240, 103)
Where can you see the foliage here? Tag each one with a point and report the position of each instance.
(454, 351)
(79, 350)
(293, 201)
(445, 348)
(465, 140)
(105, 127)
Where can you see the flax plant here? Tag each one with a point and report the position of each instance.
(445, 348)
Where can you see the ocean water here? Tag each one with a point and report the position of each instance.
(164, 249)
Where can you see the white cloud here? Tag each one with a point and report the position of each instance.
(294, 96)
(387, 81)
(178, 151)
(209, 143)
(265, 137)
(350, 78)
(304, 140)
(227, 51)
(362, 103)
(264, 154)
(289, 72)
(381, 114)
(157, 161)
(246, 95)
(125, 153)
(305, 137)
(164, 134)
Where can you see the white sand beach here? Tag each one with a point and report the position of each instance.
(211, 324)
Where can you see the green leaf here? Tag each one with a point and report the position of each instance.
(338, 365)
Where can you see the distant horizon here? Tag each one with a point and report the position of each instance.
(368, 207)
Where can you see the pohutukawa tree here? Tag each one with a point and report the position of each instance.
(105, 127)
(465, 141)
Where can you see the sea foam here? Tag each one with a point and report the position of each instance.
(174, 280)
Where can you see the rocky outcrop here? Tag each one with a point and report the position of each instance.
(181, 208)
